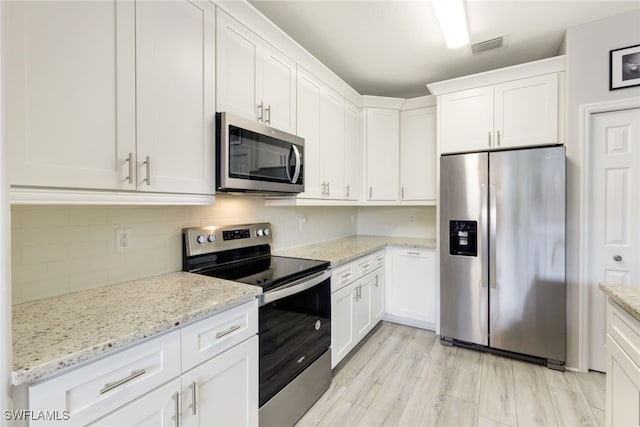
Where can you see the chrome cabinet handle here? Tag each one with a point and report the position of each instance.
(260, 111)
(130, 160)
(193, 386)
(110, 386)
(489, 139)
(228, 331)
(402, 192)
(617, 258)
(268, 111)
(370, 191)
(147, 163)
(176, 417)
(377, 277)
(498, 137)
(347, 190)
(328, 188)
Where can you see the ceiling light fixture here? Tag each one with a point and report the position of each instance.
(453, 22)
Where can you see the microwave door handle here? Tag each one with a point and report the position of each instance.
(296, 174)
(286, 164)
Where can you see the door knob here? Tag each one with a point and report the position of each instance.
(617, 258)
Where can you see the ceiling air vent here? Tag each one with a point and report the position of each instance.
(487, 45)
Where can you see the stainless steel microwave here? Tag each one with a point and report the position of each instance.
(253, 157)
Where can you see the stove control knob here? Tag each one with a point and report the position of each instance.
(267, 231)
(211, 238)
(201, 239)
(259, 232)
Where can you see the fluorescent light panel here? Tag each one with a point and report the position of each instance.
(453, 22)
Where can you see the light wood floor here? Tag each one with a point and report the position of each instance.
(403, 376)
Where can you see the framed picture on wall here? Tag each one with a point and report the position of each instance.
(624, 67)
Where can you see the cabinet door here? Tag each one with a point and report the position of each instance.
(623, 387)
(352, 152)
(411, 291)
(332, 143)
(526, 112)
(157, 408)
(466, 120)
(224, 390)
(377, 296)
(363, 321)
(175, 96)
(70, 93)
(418, 154)
(237, 66)
(308, 112)
(382, 153)
(278, 88)
(342, 327)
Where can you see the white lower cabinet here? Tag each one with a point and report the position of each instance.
(623, 368)
(410, 289)
(357, 303)
(166, 380)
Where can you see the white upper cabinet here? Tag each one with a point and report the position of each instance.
(466, 120)
(526, 112)
(511, 107)
(332, 144)
(254, 79)
(111, 95)
(352, 152)
(70, 93)
(382, 139)
(418, 154)
(308, 111)
(175, 96)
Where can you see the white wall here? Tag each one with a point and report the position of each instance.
(588, 49)
(397, 221)
(58, 249)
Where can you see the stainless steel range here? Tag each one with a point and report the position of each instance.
(294, 313)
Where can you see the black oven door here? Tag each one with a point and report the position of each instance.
(295, 330)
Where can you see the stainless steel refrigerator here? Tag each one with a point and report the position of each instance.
(502, 256)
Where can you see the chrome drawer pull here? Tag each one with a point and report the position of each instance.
(176, 417)
(193, 388)
(413, 253)
(228, 331)
(110, 386)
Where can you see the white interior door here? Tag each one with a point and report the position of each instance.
(614, 215)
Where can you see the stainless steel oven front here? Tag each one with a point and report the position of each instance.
(253, 157)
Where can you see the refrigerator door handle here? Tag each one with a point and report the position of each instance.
(492, 235)
(484, 224)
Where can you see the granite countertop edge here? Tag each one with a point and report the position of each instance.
(627, 297)
(341, 251)
(35, 370)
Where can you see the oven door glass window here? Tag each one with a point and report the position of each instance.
(294, 332)
(258, 157)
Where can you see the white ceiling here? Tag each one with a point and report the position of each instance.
(394, 47)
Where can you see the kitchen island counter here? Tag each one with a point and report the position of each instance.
(627, 297)
(341, 251)
(54, 333)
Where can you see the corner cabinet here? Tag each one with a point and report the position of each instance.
(382, 148)
(357, 302)
(205, 374)
(411, 287)
(418, 155)
(254, 79)
(111, 95)
(623, 367)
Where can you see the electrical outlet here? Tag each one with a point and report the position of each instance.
(124, 239)
(412, 218)
(303, 221)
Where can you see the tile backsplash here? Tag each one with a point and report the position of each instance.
(62, 249)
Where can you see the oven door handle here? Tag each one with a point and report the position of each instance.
(295, 287)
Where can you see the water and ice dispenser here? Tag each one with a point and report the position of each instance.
(463, 238)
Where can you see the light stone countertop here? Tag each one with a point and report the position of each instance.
(341, 251)
(627, 297)
(54, 333)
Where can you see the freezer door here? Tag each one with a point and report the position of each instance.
(527, 251)
(464, 250)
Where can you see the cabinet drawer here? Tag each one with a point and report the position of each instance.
(208, 337)
(624, 329)
(342, 276)
(378, 259)
(365, 266)
(93, 390)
